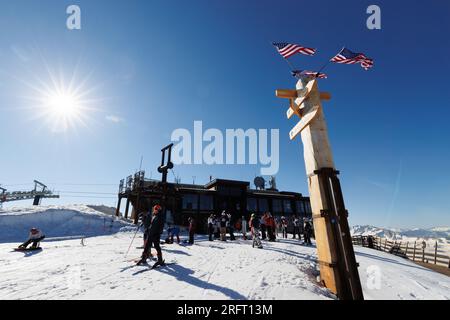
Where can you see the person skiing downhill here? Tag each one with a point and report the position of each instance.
(254, 227)
(35, 236)
(153, 236)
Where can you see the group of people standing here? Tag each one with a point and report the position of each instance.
(267, 225)
(219, 226)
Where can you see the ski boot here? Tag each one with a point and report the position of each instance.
(143, 260)
(160, 262)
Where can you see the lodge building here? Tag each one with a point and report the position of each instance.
(199, 201)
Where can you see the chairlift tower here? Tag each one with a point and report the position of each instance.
(39, 192)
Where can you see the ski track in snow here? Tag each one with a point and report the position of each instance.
(285, 269)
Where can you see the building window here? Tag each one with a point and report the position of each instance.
(277, 206)
(251, 205)
(300, 207)
(287, 206)
(263, 205)
(206, 202)
(190, 202)
(308, 207)
(230, 191)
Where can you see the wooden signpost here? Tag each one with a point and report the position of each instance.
(338, 267)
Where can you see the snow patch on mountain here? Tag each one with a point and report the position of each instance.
(441, 234)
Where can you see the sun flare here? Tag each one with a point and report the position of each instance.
(64, 105)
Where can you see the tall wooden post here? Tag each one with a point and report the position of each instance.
(118, 206)
(127, 208)
(338, 267)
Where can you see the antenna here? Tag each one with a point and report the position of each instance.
(140, 166)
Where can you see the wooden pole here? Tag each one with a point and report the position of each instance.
(118, 206)
(423, 253)
(338, 267)
(435, 252)
(127, 208)
(414, 252)
(406, 253)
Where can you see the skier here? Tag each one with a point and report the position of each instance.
(223, 226)
(154, 234)
(211, 223)
(254, 227)
(191, 230)
(217, 227)
(284, 226)
(296, 223)
(35, 236)
(146, 222)
(230, 228)
(270, 225)
(244, 228)
(238, 225)
(307, 232)
(171, 232)
(262, 224)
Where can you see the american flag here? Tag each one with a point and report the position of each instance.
(288, 49)
(303, 73)
(349, 57)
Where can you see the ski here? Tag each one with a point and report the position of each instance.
(164, 264)
(26, 250)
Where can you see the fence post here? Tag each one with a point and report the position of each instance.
(414, 252)
(385, 243)
(423, 253)
(435, 252)
(406, 253)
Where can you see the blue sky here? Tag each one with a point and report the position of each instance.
(155, 66)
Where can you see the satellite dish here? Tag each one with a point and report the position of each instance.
(260, 183)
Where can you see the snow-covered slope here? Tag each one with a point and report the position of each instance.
(98, 269)
(56, 221)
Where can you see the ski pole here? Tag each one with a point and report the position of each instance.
(137, 229)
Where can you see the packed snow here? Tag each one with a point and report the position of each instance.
(86, 258)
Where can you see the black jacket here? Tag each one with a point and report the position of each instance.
(147, 221)
(223, 221)
(157, 224)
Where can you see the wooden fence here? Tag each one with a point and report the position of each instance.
(422, 251)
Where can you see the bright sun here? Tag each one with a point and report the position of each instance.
(62, 109)
(62, 104)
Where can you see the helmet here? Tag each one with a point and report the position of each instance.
(253, 215)
(34, 230)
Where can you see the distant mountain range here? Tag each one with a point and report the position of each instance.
(398, 234)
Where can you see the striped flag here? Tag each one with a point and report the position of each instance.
(304, 73)
(349, 57)
(288, 49)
